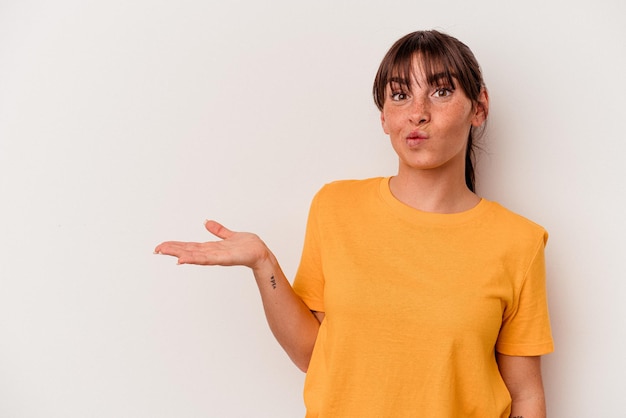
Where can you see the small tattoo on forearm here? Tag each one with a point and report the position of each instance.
(517, 416)
(273, 281)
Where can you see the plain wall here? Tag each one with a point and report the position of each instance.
(127, 123)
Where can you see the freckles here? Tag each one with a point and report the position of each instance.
(464, 111)
(391, 118)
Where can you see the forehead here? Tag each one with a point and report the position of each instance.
(421, 68)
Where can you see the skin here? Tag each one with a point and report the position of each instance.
(428, 127)
(292, 323)
(522, 376)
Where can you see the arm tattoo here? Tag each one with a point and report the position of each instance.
(517, 416)
(273, 281)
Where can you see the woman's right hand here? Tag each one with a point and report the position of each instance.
(234, 249)
(289, 318)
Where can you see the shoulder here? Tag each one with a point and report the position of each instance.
(348, 190)
(518, 227)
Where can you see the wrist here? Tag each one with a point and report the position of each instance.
(265, 263)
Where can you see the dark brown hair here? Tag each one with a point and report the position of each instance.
(440, 55)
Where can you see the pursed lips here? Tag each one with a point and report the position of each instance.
(416, 137)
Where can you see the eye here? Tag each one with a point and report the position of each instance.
(398, 96)
(443, 92)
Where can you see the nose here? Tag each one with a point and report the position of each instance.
(420, 110)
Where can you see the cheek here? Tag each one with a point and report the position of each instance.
(383, 123)
(391, 121)
(386, 121)
(464, 117)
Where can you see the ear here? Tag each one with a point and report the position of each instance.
(383, 123)
(481, 110)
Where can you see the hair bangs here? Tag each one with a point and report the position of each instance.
(443, 60)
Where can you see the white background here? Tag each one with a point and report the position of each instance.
(126, 123)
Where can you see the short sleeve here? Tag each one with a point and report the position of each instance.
(309, 280)
(526, 328)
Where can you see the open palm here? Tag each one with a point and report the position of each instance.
(234, 249)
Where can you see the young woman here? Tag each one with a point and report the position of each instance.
(414, 296)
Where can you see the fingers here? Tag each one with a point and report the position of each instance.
(213, 227)
(173, 248)
(206, 253)
(187, 252)
(218, 229)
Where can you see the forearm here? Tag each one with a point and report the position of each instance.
(292, 323)
(522, 376)
(529, 408)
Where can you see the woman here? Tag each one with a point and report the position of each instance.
(414, 296)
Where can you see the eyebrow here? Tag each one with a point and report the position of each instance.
(436, 78)
(432, 80)
(398, 80)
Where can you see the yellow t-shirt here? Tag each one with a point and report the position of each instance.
(416, 303)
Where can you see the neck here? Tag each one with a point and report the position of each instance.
(430, 192)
